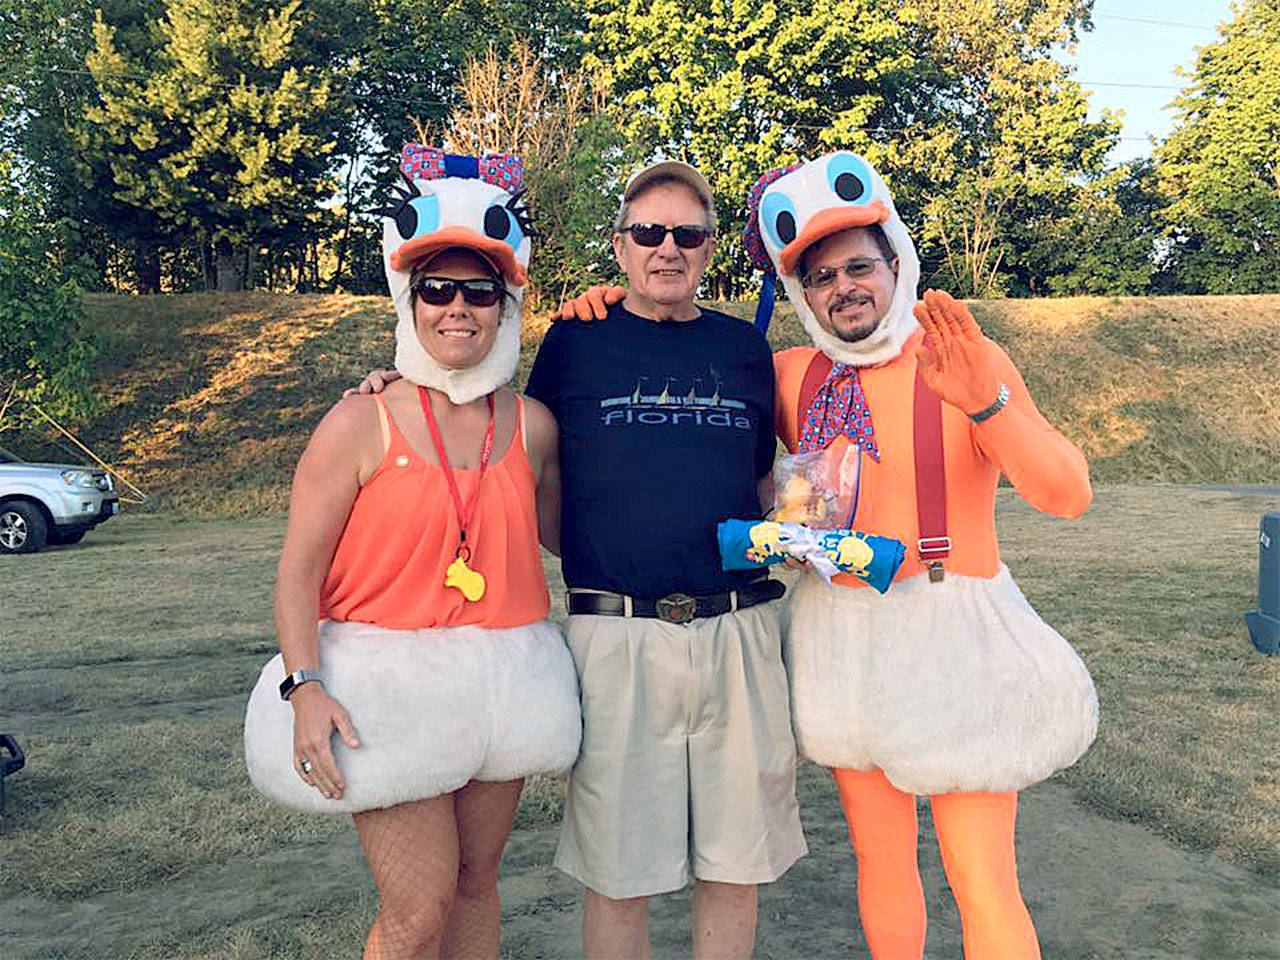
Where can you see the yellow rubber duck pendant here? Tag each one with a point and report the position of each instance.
(470, 582)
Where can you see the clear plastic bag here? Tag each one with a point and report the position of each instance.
(818, 489)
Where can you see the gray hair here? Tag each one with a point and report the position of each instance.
(660, 180)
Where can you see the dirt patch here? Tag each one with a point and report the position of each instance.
(1096, 888)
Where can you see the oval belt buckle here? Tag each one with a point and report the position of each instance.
(676, 608)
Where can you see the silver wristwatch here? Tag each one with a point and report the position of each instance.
(1002, 397)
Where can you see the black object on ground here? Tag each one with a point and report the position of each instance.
(1264, 623)
(10, 764)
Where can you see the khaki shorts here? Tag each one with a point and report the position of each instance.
(688, 765)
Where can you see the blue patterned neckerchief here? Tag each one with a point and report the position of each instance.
(839, 407)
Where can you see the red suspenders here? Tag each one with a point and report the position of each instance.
(934, 545)
(931, 480)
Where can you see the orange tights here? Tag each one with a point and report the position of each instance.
(975, 834)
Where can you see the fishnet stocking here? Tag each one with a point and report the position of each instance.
(412, 850)
(436, 866)
(484, 813)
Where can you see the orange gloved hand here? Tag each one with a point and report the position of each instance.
(958, 363)
(592, 305)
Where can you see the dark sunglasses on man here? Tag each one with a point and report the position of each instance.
(855, 269)
(439, 291)
(687, 235)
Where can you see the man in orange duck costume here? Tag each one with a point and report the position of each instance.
(949, 686)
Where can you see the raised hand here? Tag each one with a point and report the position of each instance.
(592, 305)
(956, 361)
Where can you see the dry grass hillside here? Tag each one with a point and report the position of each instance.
(207, 399)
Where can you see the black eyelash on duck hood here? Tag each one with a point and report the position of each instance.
(402, 193)
(518, 207)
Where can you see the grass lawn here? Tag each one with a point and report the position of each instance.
(125, 663)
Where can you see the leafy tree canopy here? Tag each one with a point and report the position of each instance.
(224, 128)
(955, 100)
(44, 346)
(1220, 168)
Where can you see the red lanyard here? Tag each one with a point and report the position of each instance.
(463, 514)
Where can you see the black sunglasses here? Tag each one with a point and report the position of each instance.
(687, 235)
(439, 291)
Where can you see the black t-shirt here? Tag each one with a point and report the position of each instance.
(665, 429)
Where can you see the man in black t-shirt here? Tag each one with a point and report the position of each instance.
(666, 428)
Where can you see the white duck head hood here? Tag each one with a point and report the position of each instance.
(793, 208)
(450, 201)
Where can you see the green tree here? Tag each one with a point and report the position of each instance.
(45, 347)
(738, 88)
(572, 151)
(410, 58)
(1108, 243)
(958, 102)
(1011, 145)
(1220, 168)
(222, 127)
(44, 89)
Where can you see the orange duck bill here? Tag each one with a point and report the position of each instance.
(826, 222)
(499, 251)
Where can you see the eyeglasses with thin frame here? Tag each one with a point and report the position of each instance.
(688, 236)
(855, 268)
(439, 291)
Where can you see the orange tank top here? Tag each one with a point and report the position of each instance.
(402, 534)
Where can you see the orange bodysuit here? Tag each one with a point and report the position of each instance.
(390, 564)
(1046, 469)
(956, 689)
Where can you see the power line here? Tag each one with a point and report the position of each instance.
(1136, 86)
(222, 85)
(425, 102)
(1161, 23)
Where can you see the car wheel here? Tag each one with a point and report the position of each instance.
(61, 538)
(22, 527)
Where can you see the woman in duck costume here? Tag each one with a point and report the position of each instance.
(419, 680)
(949, 686)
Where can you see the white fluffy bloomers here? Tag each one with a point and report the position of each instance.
(450, 201)
(434, 709)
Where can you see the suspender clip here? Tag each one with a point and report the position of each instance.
(928, 548)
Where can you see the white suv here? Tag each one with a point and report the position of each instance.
(50, 503)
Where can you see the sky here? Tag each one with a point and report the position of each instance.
(1125, 47)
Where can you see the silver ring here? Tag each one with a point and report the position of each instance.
(305, 764)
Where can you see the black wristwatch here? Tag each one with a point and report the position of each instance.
(297, 679)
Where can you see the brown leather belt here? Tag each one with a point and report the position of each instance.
(674, 607)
